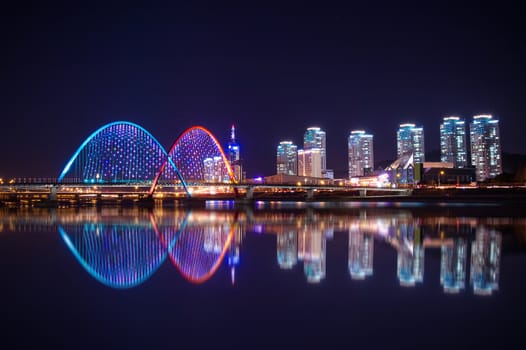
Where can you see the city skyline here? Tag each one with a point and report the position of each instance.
(341, 67)
(127, 126)
(485, 154)
(293, 161)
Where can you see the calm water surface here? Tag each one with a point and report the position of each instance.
(280, 275)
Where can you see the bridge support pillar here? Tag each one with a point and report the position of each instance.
(53, 193)
(363, 192)
(310, 194)
(146, 201)
(250, 193)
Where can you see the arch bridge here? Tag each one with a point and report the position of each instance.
(122, 153)
(124, 159)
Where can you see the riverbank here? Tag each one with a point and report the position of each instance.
(500, 195)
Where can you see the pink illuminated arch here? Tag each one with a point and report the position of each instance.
(191, 257)
(198, 157)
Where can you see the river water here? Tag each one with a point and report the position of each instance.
(276, 274)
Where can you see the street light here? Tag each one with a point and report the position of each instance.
(440, 176)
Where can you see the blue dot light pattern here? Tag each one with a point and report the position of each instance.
(119, 152)
(125, 253)
(199, 158)
(117, 255)
(200, 250)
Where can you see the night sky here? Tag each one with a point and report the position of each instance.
(273, 70)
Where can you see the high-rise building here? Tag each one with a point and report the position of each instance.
(233, 155)
(287, 158)
(213, 170)
(410, 139)
(361, 157)
(309, 162)
(453, 148)
(315, 138)
(485, 147)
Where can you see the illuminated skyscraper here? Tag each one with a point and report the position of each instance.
(410, 138)
(453, 148)
(315, 138)
(361, 157)
(309, 162)
(485, 147)
(287, 158)
(233, 155)
(213, 170)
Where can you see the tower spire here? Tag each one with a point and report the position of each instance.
(233, 134)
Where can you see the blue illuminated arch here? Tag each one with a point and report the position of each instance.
(118, 256)
(122, 256)
(118, 152)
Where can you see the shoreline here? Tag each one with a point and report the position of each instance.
(501, 196)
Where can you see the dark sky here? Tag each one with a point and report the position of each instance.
(273, 70)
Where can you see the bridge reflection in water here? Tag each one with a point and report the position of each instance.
(123, 248)
(123, 255)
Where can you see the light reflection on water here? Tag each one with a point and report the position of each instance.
(122, 248)
(356, 204)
